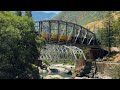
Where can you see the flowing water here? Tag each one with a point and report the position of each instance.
(61, 71)
(58, 71)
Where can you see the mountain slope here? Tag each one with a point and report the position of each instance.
(37, 15)
(81, 17)
(99, 23)
(89, 19)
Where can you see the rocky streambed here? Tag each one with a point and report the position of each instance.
(61, 71)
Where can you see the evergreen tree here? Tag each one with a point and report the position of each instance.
(28, 13)
(18, 13)
(108, 26)
(116, 30)
(107, 35)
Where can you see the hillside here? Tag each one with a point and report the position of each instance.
(39, 15)
(99, 23)
(88, 19)
(81, 17)
(42, 15)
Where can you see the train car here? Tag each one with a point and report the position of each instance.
(65, 38)
(46, 36)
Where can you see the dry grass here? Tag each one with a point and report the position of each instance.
(117, 57)
(116, 15)
(95, 25)
(99, 23)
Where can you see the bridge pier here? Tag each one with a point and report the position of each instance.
(83, 66)
(79, 66)
(94, 54)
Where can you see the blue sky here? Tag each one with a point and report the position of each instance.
(52, 11)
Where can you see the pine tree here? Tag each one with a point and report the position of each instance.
(106, 34)
(28, 13)
(109, 29)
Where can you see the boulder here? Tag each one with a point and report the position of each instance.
(44, 71)
(54, 70)
(53, 77)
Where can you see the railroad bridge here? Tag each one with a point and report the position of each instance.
(70, 34)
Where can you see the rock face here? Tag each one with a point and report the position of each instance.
(80, 64)
(69, 73)
(102, 76)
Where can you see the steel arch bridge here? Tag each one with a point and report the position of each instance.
(65, 33)
(66, 39)
(70, 34)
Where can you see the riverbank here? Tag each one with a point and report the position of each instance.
(65, 71)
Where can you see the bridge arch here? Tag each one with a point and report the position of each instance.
(62, 32)
(70, 34)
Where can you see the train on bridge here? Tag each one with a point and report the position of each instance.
(55, 37)
(61, 31)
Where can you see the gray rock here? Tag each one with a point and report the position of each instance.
(54, 70)
(69, 73)
(44, 71)
(66, 71)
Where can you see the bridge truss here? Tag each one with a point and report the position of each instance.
(56, 53)
(61, 32)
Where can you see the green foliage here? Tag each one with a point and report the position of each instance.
(41, 41)
(103, 34)
(86, 52)
(18, 47)
(116, 30)
(55, 78)
(66, 62)
(47, 62)
(28, 13)
(18, 13)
